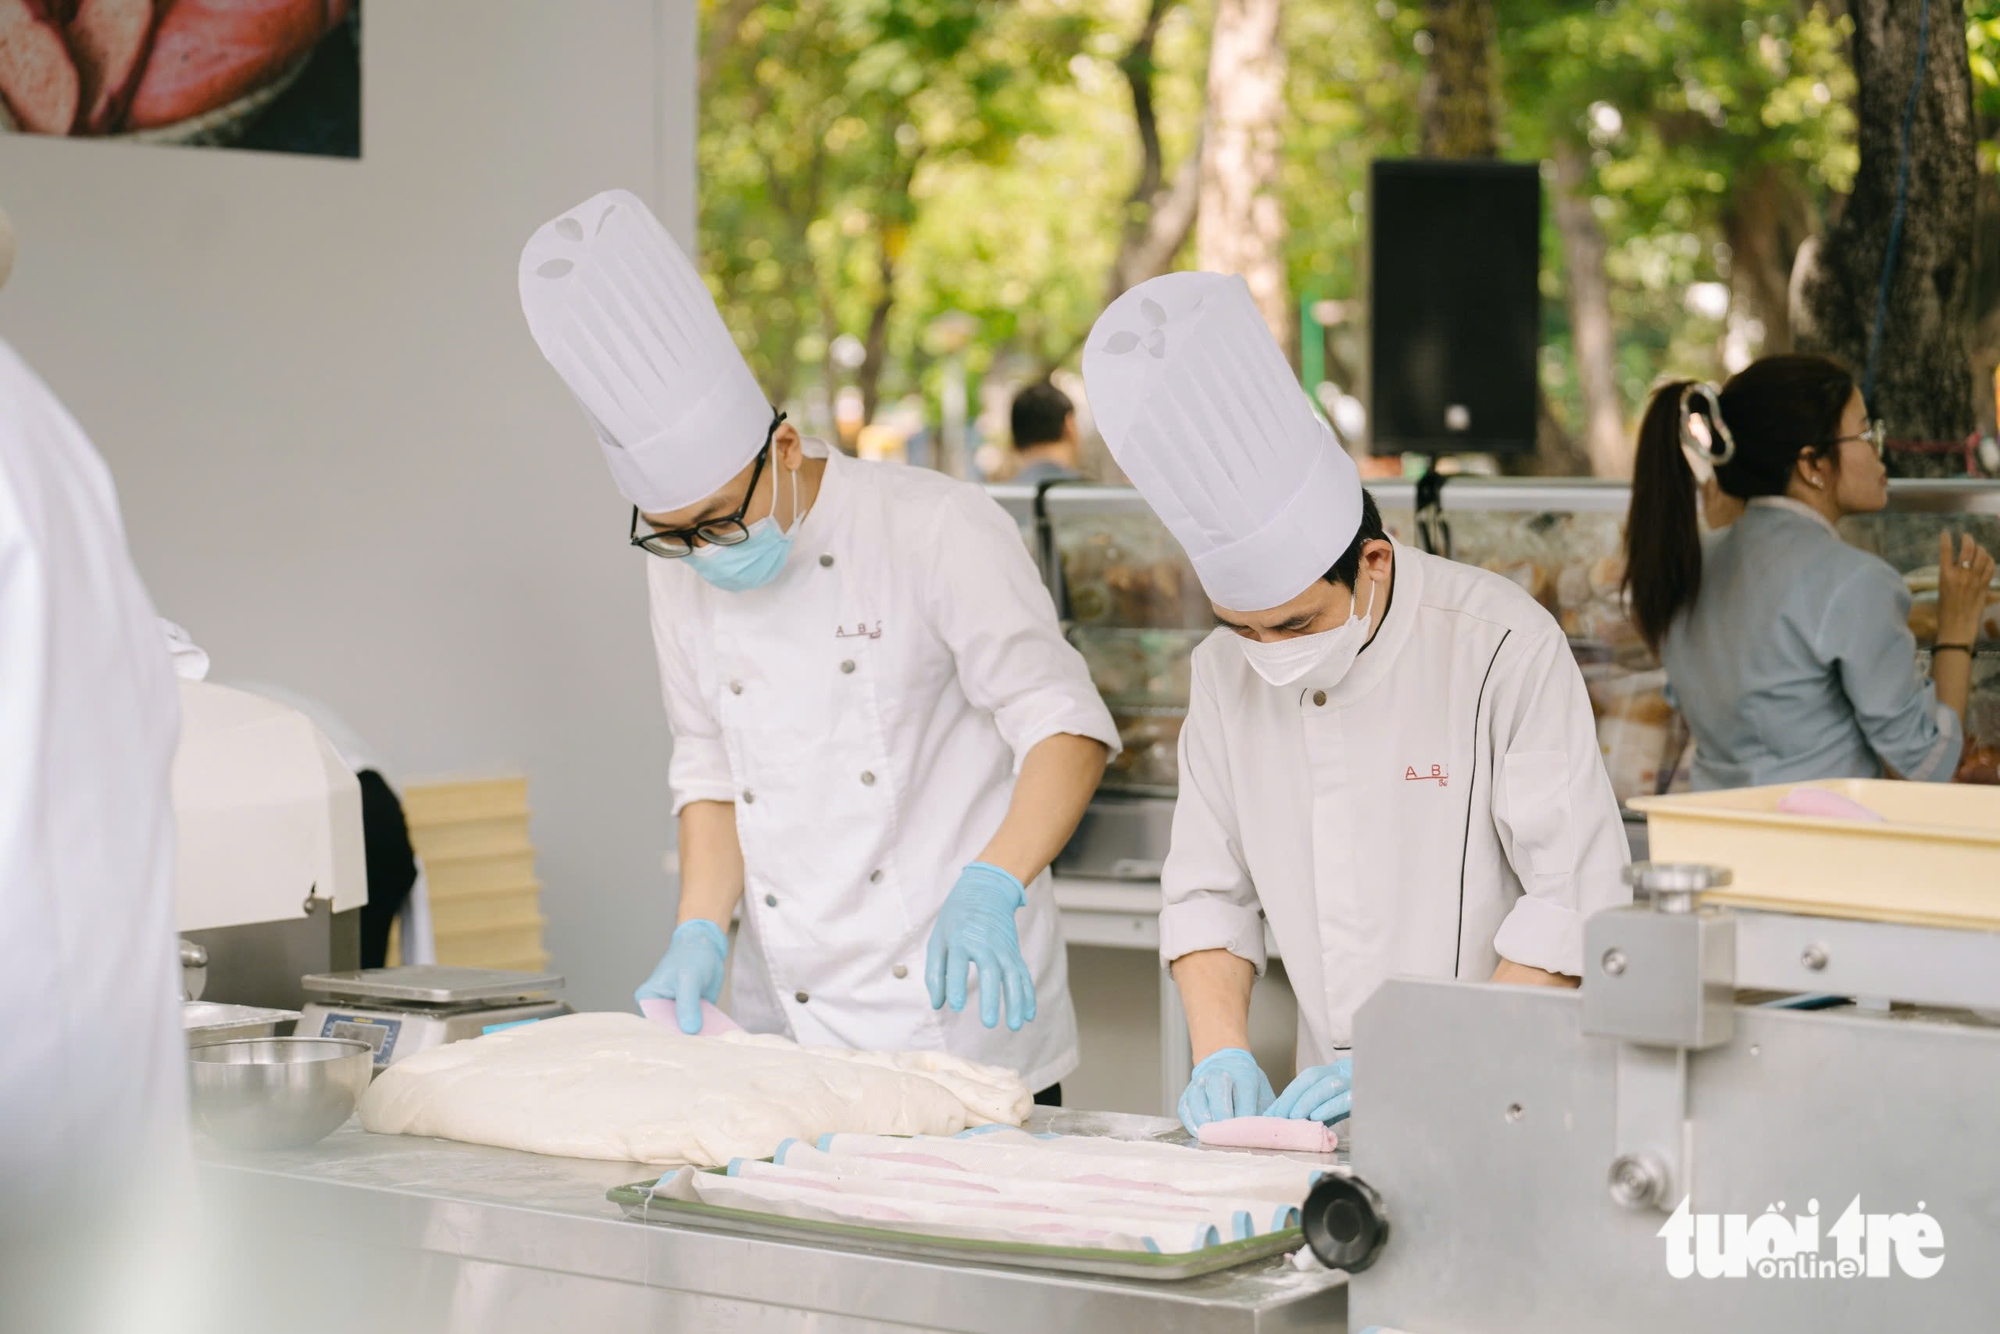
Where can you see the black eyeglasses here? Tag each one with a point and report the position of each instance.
(726, 531)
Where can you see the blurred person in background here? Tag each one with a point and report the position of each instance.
(1045, 438)
(93, 1101)
(1788, 651)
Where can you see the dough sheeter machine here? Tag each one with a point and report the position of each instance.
(1686, 1143)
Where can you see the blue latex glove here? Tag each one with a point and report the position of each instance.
(689, 972)
(1320, 1093)
(1227, 1083)
(976, 927)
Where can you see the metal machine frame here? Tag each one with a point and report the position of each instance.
(1649, 1155)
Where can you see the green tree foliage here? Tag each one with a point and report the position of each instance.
(868, 165)
(818, 117)
(1982, 40)
(1685, 108)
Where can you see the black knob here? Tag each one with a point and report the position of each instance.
(1345, 1223)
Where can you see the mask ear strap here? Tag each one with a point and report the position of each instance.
(1722, 446)
(777, 420)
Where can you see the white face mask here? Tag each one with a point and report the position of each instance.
(1328, 655)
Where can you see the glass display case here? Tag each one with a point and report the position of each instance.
(1561, 542)
(1132, 605)
(1906, 535)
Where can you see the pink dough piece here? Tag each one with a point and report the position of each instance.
(919, 1159)
(1122, 1183)
(713, 1021)
(1268, 1132)
(1827, 805)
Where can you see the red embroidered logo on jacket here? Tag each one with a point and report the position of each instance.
(1436, 775)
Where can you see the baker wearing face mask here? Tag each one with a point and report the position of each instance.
(881, 738)
(1389, 756)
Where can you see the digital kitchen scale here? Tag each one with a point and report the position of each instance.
(401, 1011)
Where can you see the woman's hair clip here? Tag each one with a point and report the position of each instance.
(1721, 446)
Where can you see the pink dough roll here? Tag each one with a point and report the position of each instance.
(1268, 1132)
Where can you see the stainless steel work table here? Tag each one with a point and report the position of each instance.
(391, 1233)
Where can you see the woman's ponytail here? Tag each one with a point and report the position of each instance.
(1757, 426)
(1662, 537)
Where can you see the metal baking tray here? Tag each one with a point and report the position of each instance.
(430, 984)
(640, 1204)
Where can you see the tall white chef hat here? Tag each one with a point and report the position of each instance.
(624, 318)
(1204, 415)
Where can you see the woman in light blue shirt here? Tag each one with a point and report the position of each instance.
(1787, 650)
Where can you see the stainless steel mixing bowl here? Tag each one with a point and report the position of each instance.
(276, 1093)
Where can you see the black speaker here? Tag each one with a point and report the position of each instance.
(1455, 306)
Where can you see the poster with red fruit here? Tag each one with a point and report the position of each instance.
(274, 75)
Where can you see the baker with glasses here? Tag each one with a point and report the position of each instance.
(1788, 651)
(881, 737)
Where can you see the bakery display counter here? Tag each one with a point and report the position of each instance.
(1134, 609)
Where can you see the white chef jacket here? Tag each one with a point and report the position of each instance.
(866, 711)
(1443, 806)
(91, 1078)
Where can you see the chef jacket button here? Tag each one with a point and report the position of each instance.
(874, 877)
(900, 972)
(770, 900)
(1319, 697)
(868, 778)
(735, 687)
(847, 666)
(749, 797)
(825, 561)
(801, 998)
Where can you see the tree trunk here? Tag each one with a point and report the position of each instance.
(1158, 216)
(892, 230)
(1457, 105)
(1556, 454)
(1766, 222)
(1922, 382)
(1456, 100)
(1240, 224)
(1986, 306)
(868, 378)
(798, 201)
(1148, 247)
(1595, 344)
(721, 29)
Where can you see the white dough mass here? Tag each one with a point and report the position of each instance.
(621, 1087)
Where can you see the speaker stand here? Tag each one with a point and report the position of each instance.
(1433, 529)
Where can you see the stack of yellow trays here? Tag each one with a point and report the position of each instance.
(1931, 859)
(485, 900)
